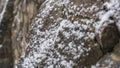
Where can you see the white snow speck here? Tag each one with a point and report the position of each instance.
(1, 46)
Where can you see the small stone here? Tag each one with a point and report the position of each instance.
(116, 53)
(108, 37)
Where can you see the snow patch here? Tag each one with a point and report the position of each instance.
(1, 45)
(61, 43)
(104, 15)
(112, 10)
(3, 6)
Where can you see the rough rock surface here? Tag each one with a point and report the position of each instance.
(111, 60)
(59, 34)
(24, 12)
(15, 19)
(108, 37)
(62, 35)
(6, 53)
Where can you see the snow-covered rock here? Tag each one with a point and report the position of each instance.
(62, 35)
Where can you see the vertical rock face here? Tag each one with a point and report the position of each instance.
(24, 12)
(15, 19)
(6, 53)
(58, 33)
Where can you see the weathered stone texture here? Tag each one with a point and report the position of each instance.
(27, 23)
